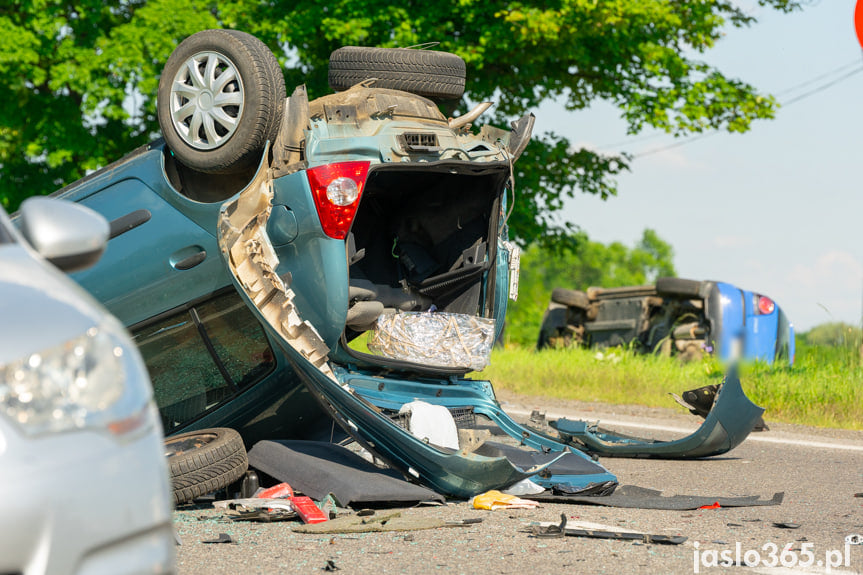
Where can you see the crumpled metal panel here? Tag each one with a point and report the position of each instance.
(729, 422)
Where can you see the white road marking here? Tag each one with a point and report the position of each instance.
(757, 437)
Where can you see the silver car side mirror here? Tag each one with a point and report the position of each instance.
(69, 235)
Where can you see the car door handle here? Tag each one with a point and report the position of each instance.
(188, 257)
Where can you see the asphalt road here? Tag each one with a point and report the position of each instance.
(819, 470)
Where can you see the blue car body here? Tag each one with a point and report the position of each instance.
(673, 317)
(216, 359)
(246, 291)
(742, 326)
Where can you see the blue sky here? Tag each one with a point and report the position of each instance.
(776, 210)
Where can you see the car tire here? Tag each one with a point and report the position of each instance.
(213, 123)
(570, 297)
(678, 287)
(204, 461)
(438, 75)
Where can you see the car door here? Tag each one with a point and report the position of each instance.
(157, 257)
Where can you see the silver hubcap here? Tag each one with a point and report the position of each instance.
(207, 100)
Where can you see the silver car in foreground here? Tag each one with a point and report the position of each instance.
(83, 481)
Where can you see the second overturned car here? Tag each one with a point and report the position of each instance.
(255, 243)
(675, 316)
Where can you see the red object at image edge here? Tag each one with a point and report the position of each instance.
(858, 21)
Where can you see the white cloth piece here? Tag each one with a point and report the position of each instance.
(432, 423)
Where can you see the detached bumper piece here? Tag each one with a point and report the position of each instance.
(730, 421)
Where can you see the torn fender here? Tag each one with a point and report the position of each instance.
(253, 263)
(729, 422)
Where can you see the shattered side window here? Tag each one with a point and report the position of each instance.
(237, 338)
(200, 357)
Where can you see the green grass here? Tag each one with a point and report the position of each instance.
(824, 388)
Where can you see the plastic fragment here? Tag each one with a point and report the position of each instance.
(280, 491)
(786, 525)
(494, 499)
(524, 487)
(223, 538)
(307, 510)
(715, 505)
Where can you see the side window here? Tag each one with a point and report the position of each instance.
(202, 356)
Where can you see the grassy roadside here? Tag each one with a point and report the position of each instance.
(824, 388)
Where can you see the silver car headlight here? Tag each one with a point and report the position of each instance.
(79, 384)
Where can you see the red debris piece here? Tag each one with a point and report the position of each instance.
(280, 491)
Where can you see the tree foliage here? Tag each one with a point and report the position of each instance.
(589, 263)
(82, 76)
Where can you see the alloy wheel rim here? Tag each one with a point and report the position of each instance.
(207, 100)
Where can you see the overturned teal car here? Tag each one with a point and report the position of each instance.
(255, 243)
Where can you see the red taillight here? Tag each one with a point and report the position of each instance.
(337, 189)
(765, 305)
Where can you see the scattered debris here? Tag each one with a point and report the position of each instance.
(634, 497)
(854, 539)
(307, 510)
(494, 499)
(223, 538)
(524, 487)
(786, 525)
(392, 521)
(278, 491)
(254, 503)
(472, 521)
(597, 531)
(550, 531)
(330, 566)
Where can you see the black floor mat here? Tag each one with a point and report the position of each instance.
(317, 468)
(569, 464)
(633, 497)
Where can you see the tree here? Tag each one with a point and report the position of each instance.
(589, 263)
(81, 76)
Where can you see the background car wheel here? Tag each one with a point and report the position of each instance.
(221, 97)
(570, 297)
(678, 287)
(204, 461)
(422, 72)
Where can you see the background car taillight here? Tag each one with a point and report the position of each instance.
(765, 305)
(337, 189)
